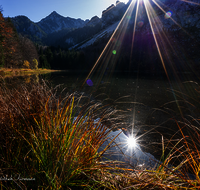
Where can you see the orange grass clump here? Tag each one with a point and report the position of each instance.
(54, 142)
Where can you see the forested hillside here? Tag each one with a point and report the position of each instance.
(16, 51)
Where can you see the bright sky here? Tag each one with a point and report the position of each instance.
(35, 10)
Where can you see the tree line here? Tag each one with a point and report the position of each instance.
(61, 59)
(16, 51)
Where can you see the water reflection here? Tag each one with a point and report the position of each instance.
(132, 142)
(126, 149)
(146, 106)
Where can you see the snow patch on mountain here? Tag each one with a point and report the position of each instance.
(105, 33)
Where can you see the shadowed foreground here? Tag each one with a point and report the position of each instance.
(52, 142)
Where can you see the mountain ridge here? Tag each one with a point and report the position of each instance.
(181, 18)
(50, 24)
(54, 23)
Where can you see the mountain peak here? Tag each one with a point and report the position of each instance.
(55, 22)
(52, 17)
(54, 13)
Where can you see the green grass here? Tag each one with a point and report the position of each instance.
(55, 140)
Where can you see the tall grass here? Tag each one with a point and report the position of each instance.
(54, 142)
(51, 139)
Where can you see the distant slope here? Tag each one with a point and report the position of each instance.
(54, 23)
(56, 30)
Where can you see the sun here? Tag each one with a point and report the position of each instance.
(131, 141)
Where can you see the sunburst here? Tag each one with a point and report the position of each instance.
(161, 39)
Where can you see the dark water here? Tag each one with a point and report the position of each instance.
(151, 104)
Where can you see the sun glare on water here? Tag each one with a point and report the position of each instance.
(131, 141)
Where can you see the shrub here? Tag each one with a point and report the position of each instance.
(35, 64)
(26, 64)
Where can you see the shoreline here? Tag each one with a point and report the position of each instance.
(23, 72)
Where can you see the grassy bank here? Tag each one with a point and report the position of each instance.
(21, 72)
(50, 141)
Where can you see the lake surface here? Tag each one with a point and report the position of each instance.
(147, 102)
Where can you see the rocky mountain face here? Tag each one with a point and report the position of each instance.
(184, 15)
(51, 24)
(113, 13)
(56, 27)
(174, 23)
(180, 17)
(55, 22)
(25, 26)
(97, 28)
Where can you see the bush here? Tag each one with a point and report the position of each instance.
(35, 64)
(26, 64)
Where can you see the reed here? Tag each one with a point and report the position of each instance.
(54, 141)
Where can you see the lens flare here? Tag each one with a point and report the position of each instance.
(140, 23)
(89, 82)
(131, 141)
(128, 17)
(168, 14)
(114, 52)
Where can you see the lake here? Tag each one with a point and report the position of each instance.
(150, 104)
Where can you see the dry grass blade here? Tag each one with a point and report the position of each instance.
(56, 141)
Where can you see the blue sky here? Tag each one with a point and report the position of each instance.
(35, 10)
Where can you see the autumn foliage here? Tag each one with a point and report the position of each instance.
(14, 49)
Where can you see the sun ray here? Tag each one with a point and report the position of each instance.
(156, 24)
(136, 16)
(147, 5)
(165, 48)
(191, 2)
(128, 12)
(164, 39)
(170, 17)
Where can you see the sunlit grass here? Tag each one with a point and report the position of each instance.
(50, 139)
(5, 72)
(55, 142)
